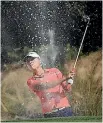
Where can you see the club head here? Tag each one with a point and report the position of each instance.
(86, 18)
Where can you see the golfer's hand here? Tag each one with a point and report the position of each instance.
(71, 74)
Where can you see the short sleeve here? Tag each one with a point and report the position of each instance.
(31, 83)
(58, 73)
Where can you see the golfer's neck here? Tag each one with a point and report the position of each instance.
(39, 71)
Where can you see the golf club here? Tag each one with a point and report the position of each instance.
(86, 18)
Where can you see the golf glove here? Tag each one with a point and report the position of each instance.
(70, 81)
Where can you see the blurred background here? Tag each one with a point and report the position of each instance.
(54, 29)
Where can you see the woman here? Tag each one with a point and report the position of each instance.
(50, 86)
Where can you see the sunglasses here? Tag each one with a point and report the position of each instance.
(29, 58)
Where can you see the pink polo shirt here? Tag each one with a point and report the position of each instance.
(53, 97)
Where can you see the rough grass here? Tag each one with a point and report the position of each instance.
(87, 89)
(86, 96)
(16, 98)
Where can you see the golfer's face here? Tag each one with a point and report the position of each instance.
(33, 64)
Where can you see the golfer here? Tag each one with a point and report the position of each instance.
(50, 86)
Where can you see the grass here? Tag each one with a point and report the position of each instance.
(62, 119)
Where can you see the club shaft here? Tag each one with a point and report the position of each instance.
(81, 45)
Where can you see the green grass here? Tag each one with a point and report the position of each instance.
(63, 119)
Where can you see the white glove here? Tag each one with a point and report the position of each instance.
(70, 81)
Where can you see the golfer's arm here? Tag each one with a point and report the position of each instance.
(47, 85)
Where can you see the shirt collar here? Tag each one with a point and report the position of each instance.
(45, 71)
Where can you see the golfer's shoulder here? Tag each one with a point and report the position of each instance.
(54, 70)
(30, 80)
